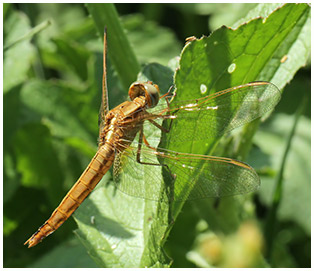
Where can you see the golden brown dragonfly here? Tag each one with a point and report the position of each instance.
(193, 176)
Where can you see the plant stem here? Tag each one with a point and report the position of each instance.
(271, 221)
(29, 34)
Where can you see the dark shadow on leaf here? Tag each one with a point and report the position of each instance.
(159, 74)
(91, 216)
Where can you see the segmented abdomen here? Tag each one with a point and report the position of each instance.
(96, 169)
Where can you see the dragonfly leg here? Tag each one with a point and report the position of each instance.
(142, 139)
(166, 95)
(147, 143)
(138, 155)
(170, 117)
(159, 126)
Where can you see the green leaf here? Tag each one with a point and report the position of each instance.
(251, 52)
(233, 57)
(159, 44)
(54, 126)
(292, 38)
(73, 56)
(6, 9)
(121, 235)
(11, 113)
(70, 254)
(35, 155)
(63, 114)
(18, 59)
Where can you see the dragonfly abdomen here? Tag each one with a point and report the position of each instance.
(96, 169)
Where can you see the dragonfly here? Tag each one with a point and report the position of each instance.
(123, 145)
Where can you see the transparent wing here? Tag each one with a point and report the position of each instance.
(187, 176)
(216, 114)
(104, 107)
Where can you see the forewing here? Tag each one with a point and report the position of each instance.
(224, 111)
(216, 114)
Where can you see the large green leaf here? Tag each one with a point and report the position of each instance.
(233, 57)
(251, 52)
(124, 234)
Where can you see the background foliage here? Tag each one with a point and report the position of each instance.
(52, 82)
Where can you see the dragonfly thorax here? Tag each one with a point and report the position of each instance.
(122, 122)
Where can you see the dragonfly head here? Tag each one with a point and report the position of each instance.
(148, 90)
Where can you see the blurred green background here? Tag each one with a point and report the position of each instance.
(52, 83)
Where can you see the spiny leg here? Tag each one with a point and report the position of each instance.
(159, 126)
(170, 194)
(173, 176)
(170, 117)
(139, 148)
(138, 159)
(166, 95)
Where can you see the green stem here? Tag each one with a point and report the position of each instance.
(29, 35)
(272, 220)
(119, 49)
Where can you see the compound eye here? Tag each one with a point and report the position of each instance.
(148, 90)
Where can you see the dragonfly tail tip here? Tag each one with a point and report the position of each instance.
(30, 242)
